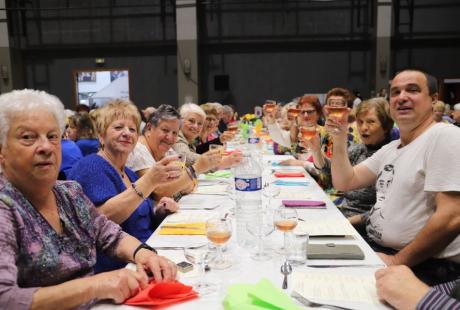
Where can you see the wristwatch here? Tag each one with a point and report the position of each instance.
(143, 246)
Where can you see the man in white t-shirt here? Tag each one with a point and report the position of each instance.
(417, 213)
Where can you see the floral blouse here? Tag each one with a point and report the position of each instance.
(33, 254)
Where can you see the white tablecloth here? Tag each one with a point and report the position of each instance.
(246, 270)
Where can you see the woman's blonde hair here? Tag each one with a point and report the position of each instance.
(113, 110)
(382, 108)
(439, 105)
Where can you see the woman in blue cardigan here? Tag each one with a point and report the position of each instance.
(116, 190)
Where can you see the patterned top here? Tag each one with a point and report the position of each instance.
(183, 147)
(439, 297)
(33, 255)
(356, 201)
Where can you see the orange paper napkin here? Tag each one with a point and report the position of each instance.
(289, 174)
(161, 294)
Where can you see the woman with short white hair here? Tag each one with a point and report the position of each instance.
(193, 118)
(49, 230)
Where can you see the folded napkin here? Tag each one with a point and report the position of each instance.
(198, 228)
(216, 189)
(218, 174)
(161, 294)
(296, 174)
(310, 204)
(290, 183)
(262, 295)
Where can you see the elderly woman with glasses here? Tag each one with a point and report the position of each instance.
(210, 134)
(160, 134)
(374, 126)
(114, 188)
(193, 118)
(49, 230)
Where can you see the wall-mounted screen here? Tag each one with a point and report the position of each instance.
(94, 87)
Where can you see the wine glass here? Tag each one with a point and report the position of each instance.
(181, 160)
(219, 231)
(261, 228)
(336, 109)
(269, 106)
(201, 256)
(285, 220)
(218, 147)
(306, 133)
(270, 191)
(293, 113)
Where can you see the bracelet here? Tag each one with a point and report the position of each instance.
(193, 172)
(143, 246)
(138, 192)
(194, 180)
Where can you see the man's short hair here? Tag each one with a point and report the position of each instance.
(431, 81)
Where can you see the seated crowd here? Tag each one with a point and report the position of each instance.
(388, 166)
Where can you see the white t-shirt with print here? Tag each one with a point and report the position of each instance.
(407, 180)
(140, 158)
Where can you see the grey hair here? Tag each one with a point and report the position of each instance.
(26, 101)
(227, 109)
(456, 107)
(188, 108)
(164, 112)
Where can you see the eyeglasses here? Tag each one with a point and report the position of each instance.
(336, 103)
(211, 119)
(308, 112)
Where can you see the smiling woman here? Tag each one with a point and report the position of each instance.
(160, 134)
(49, 230)
(115, 189)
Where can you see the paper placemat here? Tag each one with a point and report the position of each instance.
(331, 227)
(336, 286)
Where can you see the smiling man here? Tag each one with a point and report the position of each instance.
(416, 219)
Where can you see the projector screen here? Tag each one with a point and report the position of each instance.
(94, 87)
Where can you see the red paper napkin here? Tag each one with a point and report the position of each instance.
(289, 175)
(161, 294)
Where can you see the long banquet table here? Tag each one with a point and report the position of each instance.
(246, 270)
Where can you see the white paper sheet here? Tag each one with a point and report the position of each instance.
(213, 189)
(322, 286)
(317, 227)
(292, 193)
(200, 202)
(189, 217)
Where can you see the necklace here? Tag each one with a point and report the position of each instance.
(121, 171)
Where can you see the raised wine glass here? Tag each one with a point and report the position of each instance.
(336, 109)
(219, 231)
(285, 220)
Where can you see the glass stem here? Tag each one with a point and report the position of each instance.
(202, 273)
(219, 253)
(260, 246)
(285, 245)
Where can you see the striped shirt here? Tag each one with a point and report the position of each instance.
(439, 297)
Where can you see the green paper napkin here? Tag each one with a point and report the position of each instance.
(262, 295)
(218, 174)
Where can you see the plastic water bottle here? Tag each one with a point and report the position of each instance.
(253, 140)
(248, 188)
